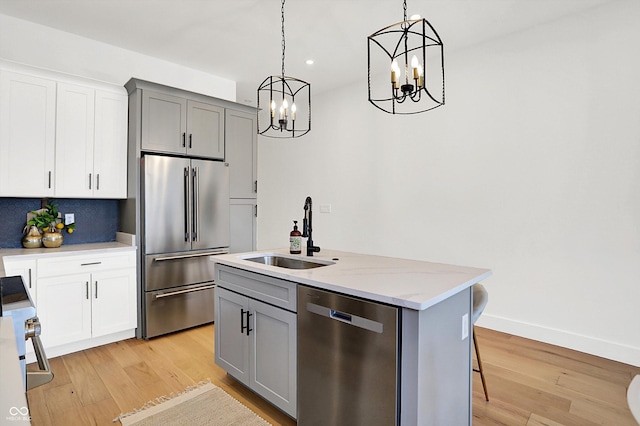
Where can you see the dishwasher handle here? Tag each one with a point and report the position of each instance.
(340, 316)
(346, 318)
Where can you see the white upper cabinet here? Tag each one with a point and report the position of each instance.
(74, 141)
(62, 139)
(91, 147)
(175, 125)
(110, 145)
(27, 135)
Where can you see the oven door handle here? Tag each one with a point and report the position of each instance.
(44, 375)
(191, 290)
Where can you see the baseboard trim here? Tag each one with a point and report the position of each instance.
(598, 347)
(68, 348)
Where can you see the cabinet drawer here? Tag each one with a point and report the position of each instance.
(270, 290)
(63, 265)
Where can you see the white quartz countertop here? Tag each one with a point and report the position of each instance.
(13, 399)
(123, 242)
(407, 283)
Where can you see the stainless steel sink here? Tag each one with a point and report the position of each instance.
(286, 262)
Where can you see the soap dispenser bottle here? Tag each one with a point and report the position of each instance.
(295, 240)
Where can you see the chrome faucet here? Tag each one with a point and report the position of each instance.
(307, 228)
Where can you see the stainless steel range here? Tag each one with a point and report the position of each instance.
(16, 303)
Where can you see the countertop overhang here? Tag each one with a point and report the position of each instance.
(406, 283)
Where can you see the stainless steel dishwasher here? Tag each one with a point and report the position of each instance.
(347, 360)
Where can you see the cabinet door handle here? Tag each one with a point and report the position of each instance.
(90, 263)
(29, 277)
(184, 140)
(96, 295)
(97, 181)
(87, 289)
(90, 180)
(249, 329)
(190, 140)
(49, 179)
(255, 188)
(242, 326)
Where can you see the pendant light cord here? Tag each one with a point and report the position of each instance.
(283, 44)
(404, 5)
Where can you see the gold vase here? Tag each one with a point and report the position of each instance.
(52, 239)
(33, 239)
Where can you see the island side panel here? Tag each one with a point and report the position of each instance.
(436, 363)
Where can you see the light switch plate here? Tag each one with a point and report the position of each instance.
(69, 218)
(465, 326)
(325, 208)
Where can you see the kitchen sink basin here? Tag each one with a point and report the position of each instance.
(286, 262)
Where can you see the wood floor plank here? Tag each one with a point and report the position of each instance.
(605, 390)
(173, 376)
(102, 413)
(123, 390)
(89, 386)
(64, 405)
(603, 413)
(123, 354)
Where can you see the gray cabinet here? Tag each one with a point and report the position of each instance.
(242, 156)
(243, 214)
(176, 125)
(255, 342)
(241, 137)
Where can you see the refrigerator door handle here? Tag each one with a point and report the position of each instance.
(191, 290)
(215, 252)
(195, 204)
(186, 194)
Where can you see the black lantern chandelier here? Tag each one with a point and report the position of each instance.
(284, 103)
(416, 56)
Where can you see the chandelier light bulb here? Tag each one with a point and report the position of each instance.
(293, 111)
(395, 72)
(415, 67)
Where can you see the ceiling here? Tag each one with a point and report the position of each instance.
(241, 39)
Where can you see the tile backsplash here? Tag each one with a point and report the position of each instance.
(96, 220)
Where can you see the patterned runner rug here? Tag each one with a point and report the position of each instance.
(205, 404)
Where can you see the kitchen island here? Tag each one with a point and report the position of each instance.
(433, 345)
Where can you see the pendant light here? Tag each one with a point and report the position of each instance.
(284, 103)
(406, 67)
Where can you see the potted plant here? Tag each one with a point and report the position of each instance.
(46, 221)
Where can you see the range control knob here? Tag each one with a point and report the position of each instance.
(31, 328)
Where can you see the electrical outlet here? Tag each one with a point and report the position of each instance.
(69, 218)
(465, 326)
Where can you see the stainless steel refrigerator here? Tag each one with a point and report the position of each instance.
(185, 213)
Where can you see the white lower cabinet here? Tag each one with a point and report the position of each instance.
(83, 306)
(256, 343)
(83, 298)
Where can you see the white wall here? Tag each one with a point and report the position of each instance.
(532, 169)
(43, 47)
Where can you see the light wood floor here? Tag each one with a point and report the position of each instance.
(530, 383)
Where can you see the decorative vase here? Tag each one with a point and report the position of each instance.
(52, 238)
(33, 239)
